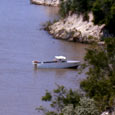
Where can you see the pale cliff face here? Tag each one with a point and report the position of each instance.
(46, 2)
(84, 31)
(73, 28)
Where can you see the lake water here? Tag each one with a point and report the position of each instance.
(21, 41)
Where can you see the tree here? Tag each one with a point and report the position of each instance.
(100, 82)
(103, 11)
(86, 107)
(68, 102)
(60, 98)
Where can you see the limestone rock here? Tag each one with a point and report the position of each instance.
(46, 2)
(73, 28)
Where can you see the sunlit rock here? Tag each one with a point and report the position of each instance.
(74, 28)
(46, 2)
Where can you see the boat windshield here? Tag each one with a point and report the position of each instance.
(60, 58)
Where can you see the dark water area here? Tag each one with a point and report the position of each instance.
(22, 41)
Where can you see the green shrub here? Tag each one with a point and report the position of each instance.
(100, 82)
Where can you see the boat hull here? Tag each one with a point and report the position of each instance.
(69, 64)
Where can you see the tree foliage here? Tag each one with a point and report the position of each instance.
(62, 97)
(103, 10)
(75, 6)
(100, 82)
(68, 102)
(86, 107)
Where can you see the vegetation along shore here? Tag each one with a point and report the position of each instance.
(82, 21)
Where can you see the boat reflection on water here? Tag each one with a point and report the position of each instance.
(58, 62)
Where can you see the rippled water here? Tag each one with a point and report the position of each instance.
(22, 41)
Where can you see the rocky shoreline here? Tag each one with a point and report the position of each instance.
(46, 2)
(73, 27)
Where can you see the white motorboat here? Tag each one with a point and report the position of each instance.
(58, 62)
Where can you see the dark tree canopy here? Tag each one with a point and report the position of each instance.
(100, 82)
(103, 10)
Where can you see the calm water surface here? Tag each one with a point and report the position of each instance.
(22, 41)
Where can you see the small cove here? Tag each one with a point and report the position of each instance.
(22, 41)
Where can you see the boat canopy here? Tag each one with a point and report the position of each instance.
(60, 57)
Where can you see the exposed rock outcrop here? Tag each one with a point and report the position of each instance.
(46, 2)
(73, 28)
